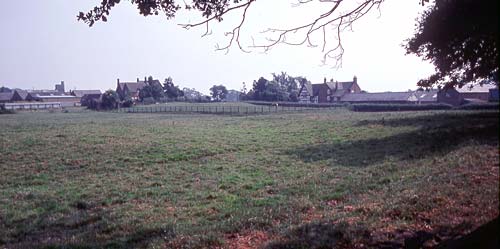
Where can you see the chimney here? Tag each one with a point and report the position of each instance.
(324, 80)
(118, 81)
(145, 79)
(60, 87)
(355, 79)
(137, 80)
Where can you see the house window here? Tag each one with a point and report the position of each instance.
(328, 91)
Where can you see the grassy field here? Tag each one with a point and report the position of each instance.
(288, 180)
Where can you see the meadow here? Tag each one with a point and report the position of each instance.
(314, 179)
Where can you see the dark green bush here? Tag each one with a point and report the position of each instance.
(479, 106)
(397, 107)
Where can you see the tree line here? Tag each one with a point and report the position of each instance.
(155, 92)
(282, 87)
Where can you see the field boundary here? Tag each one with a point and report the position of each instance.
(222, 110)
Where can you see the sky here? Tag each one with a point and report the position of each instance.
(43, 43)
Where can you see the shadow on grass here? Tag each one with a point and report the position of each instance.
(82, 227)
(486, 236)
(442, 119)
(321, 235)
(437, 135)
(342, 235)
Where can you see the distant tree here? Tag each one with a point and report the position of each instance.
(289, 84)
(172, 91)
(5, 90)
(294, 96)
(286, 82)
(283, 87)
(110, 100)
(218, 92)
(145, 92)
(127, 101)
(275, 92)
(88, 100)
(93, 104)
(244, 88)
(259, 87)
(460, 37)
(153, 89)
(192, 95)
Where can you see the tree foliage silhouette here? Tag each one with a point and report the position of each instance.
(460, 37)
(218, 92)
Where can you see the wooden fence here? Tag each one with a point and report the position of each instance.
(227, 110)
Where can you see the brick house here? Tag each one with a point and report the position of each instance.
(327, 92)
(131, 89)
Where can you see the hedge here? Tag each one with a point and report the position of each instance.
(479, 106)
(397, 107)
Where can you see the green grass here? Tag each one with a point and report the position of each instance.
(124, 180)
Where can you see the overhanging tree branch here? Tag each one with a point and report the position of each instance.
(215, 10)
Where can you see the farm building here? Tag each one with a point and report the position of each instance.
(84, 96)
(32, 105)
(384, 97)
(476, 92)
(327, 92)
(232, 96)
(82, 93)
(19, 95)
(493, 95)
(131, 89)
(428, 96)
(450, 96)
(65, 100)
(6, 97)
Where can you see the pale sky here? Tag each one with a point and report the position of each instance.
(43, 43)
